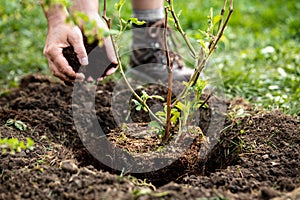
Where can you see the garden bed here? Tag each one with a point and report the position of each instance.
(257, 155)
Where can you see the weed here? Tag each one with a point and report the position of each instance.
(18, 124)
(14, 145)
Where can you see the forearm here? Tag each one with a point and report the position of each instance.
(90, 7)
(55, 13)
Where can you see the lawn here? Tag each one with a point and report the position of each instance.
(55, 140)
(258, 60)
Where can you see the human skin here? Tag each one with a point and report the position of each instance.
(147, 4)
(61, 35)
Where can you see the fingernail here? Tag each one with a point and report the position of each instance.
(100, 79)
(84, 61)
(80, 76)
(111, 71)
(90, 79)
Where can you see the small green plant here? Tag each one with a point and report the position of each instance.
(14, 145)
(144, 98)
(170, 116)
(18, 124)
(178, 110)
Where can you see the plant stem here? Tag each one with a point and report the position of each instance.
(206, 57)
(170, 72)
(207, 98)
(108, 21)
(179, 28)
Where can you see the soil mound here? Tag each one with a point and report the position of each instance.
(257, 155)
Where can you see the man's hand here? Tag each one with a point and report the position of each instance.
(62, 35)
(59, 37)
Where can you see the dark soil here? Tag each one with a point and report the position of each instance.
(256, 157)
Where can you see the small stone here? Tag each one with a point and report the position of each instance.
(78, 183)
(69, 166)
(265, 157)
(268, 193)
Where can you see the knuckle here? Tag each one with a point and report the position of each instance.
(55, 73)
(48, 51)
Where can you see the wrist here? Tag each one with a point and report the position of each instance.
(90, 7)
(56, 14)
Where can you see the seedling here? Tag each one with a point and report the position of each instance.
(169, 116)
(177, 110)
(18, 124)
(144, 98)
(15, 145)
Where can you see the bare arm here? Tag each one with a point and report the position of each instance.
(61, 35)
(91, 9)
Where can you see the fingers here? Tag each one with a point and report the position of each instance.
(59, 74)
(59, 38)
(58, 64)
(110, 52)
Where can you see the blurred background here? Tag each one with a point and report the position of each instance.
(258, 59)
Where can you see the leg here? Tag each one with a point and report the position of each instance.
(147, 4)
(148, 49)
(148, 10)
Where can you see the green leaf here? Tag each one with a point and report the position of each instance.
(9, 122)
(204, 45)
(118, 6)
(179, 13)
(157, 97)
(175, 115)
(20, 125)
(22, 146)
(180, 105)
(161, 113)
(216, 19)
(156, 127)
(154, 124)
(136, 21)
(136, 102)
(29, 143)
(139, 107)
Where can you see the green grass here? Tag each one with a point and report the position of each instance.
(270, 80)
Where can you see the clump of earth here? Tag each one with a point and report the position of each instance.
(257, 154)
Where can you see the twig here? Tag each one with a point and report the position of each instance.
(108, 21)
(222, 15)
(179, 28)
(207, 98)
(221, 31)
(170, 72)
(203, 61)
(104, 16)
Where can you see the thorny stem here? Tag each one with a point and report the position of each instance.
(202, 62)
(108, 20)
(170, 70)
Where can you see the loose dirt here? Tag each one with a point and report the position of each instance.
(257, 155)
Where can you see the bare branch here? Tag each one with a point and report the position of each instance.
(170, 70)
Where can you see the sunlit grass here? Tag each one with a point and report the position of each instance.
(260, 60)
